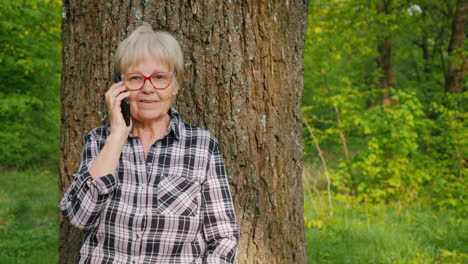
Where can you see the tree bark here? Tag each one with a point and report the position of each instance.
(458, 67)
(244, 81)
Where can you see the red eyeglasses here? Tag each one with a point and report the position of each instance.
(136, 81)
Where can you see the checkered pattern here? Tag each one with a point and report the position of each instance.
(174, 206)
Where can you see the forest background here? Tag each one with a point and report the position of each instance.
(384, 132)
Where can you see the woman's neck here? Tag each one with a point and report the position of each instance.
(151, 130)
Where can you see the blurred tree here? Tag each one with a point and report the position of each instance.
(29, 82)
(375, 148)
(458, 65)
(384, 48)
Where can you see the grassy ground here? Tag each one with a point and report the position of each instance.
(383, 234)
(28, 216)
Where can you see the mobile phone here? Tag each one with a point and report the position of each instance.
(125, 104)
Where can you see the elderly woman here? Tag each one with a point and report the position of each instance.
(155, 191)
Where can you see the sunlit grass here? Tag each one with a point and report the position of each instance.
(28, 216)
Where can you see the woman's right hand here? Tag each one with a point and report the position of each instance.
(108, 158)
(114, 96)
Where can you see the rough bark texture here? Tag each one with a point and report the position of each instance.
(243, 83)
(458, 66)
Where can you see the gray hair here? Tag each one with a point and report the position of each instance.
(143, 41)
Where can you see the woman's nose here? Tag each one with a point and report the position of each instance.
(147, 87)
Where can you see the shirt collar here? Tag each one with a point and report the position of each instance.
(174, 125)
(175, 122)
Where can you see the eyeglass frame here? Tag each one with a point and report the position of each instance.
(148, 78)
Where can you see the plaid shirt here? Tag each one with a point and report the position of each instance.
(175, 206)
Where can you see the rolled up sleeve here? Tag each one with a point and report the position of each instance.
(84, 199)
(220, 225)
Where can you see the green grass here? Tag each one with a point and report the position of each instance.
(28, 216)
(383, 234)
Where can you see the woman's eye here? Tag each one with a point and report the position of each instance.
(158, 76)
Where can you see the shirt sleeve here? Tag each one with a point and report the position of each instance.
(220, 225)
(84, 199)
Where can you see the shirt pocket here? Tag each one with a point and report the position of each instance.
(178, 195)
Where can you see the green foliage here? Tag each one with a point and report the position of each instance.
(28, 216)
(412, 150)
(385, 169)
(30, 48)
(447, 149)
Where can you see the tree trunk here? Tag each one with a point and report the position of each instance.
(384, 61)
(243, 83)
(458, 67)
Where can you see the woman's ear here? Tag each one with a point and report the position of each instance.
(175, 85)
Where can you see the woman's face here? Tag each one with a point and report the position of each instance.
(150, 104)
